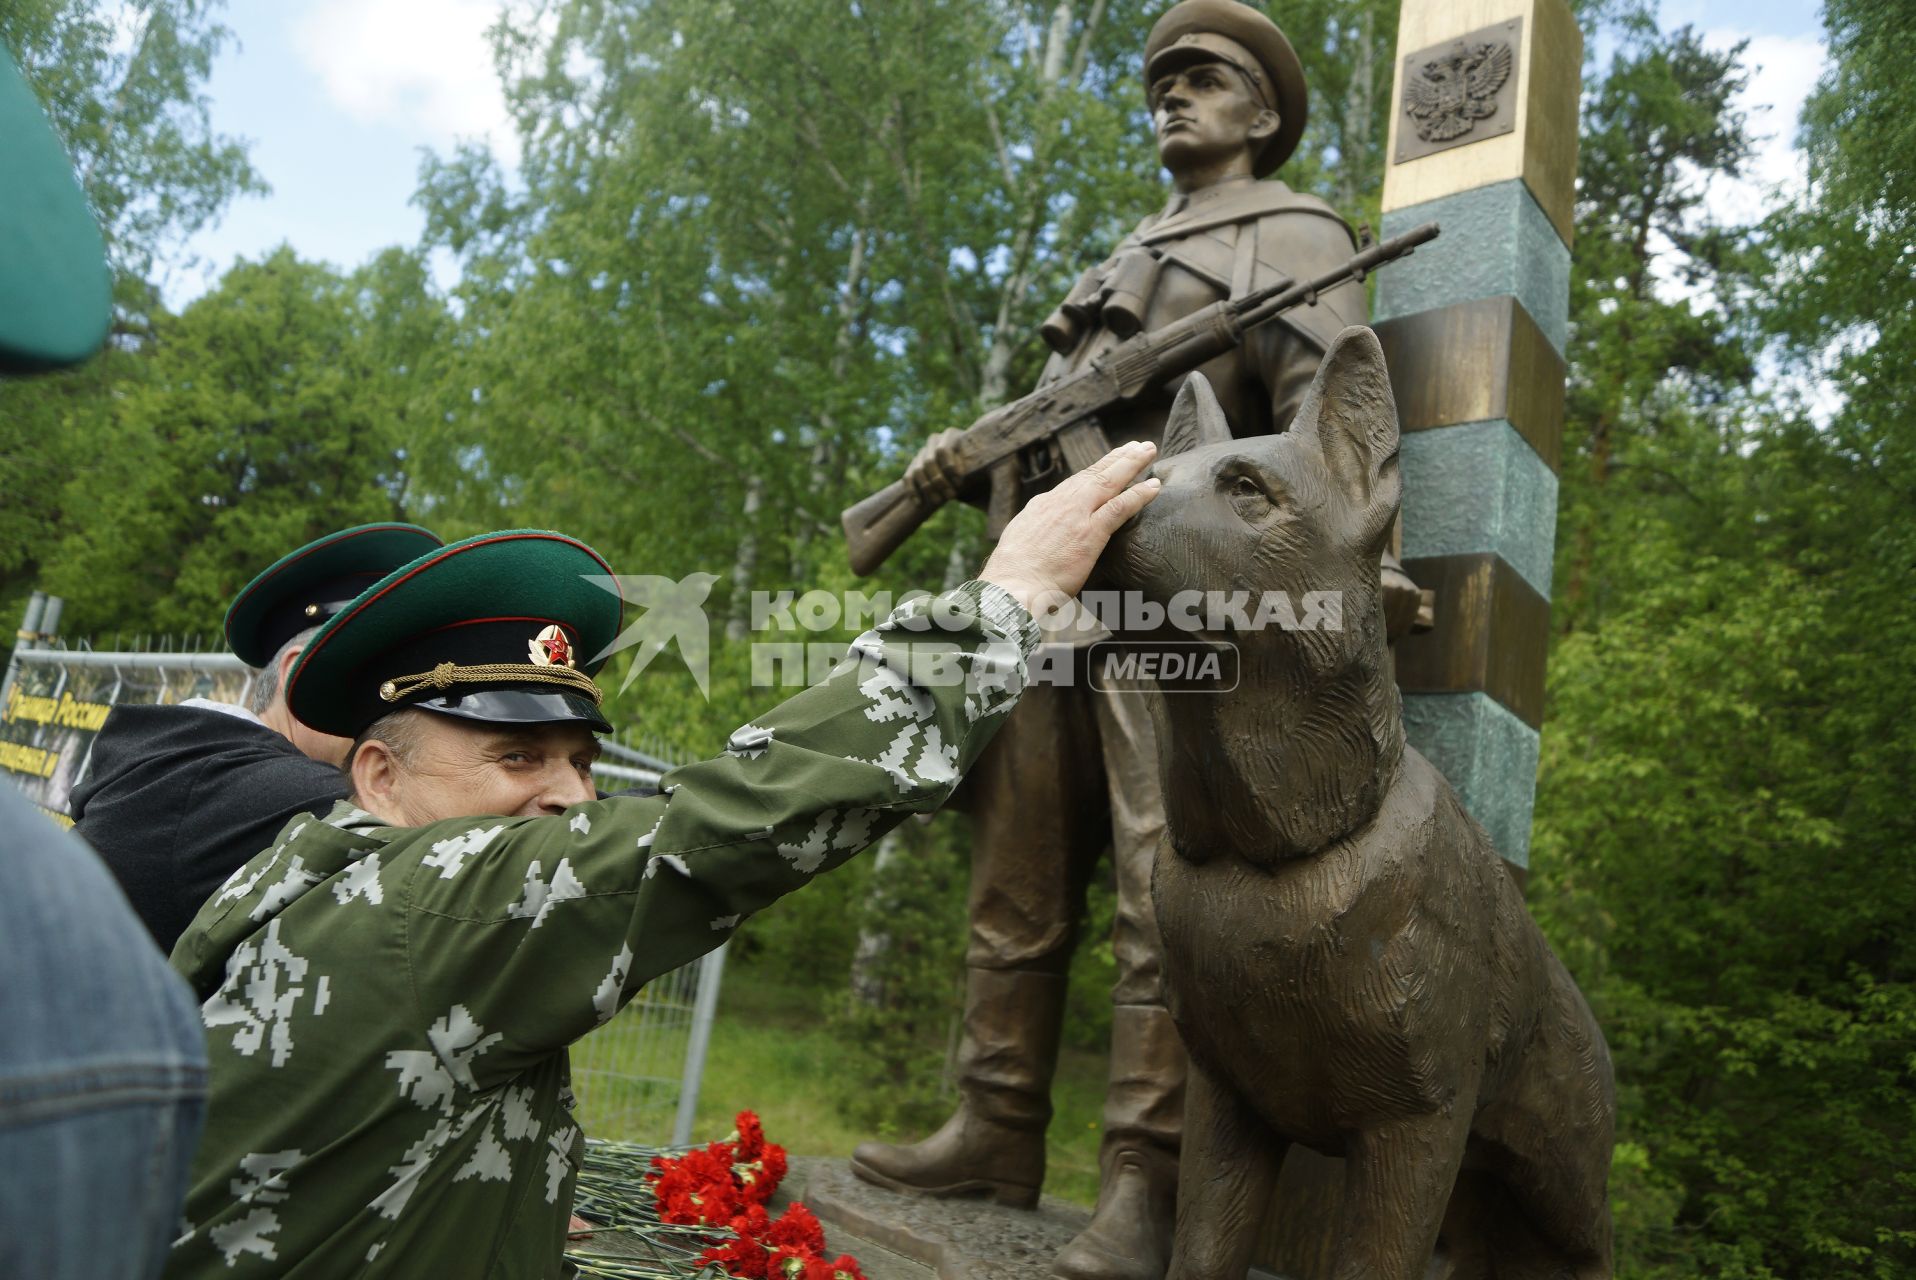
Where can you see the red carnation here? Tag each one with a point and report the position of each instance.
(751, 1135)
(789, 1263)
(751, 1221)
(741, 1256)
(771, 1172)
(798, 1228)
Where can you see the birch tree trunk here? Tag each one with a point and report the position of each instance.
(850, 308)
(1359, 102)
(874, 940)
(745, 564)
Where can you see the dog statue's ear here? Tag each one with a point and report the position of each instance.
(1353, 415)
(1197, 419)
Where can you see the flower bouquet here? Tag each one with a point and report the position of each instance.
(664, 1215)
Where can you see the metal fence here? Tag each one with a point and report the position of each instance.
(637, 1077)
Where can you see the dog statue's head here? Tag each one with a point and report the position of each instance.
(1303, 512)
(1302, 752)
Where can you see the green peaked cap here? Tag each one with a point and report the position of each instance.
(521, 610)
(305, 588)
(55, 295)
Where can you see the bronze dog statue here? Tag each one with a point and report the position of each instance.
(1347, 960)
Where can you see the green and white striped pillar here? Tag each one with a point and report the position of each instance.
(1483, 140)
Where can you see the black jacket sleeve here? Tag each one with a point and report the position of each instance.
(178, 798)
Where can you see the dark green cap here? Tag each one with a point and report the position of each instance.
(55, 295)
(506, 627)
(305, 588)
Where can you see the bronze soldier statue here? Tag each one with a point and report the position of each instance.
(1074, 770)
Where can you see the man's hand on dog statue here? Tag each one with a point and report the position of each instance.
(1046, 552)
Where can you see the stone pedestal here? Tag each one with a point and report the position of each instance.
(900, 1237)
(897, 1237)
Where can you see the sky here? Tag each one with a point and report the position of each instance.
(340, 98)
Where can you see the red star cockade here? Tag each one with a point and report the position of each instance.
(550, 648)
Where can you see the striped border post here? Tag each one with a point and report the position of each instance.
(1473, 328)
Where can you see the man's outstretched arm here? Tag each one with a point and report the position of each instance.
(541, 928)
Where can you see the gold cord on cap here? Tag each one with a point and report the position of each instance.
(447, 674)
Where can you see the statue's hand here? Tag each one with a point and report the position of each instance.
(1046, 552)
(933, 476)
(1406, 608)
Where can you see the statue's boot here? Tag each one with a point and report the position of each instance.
(994, 1144)
(1129, 1236)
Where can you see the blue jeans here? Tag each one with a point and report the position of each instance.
(102, 1066)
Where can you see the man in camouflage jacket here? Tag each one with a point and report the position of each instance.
(389, 991)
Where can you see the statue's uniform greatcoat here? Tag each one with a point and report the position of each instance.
(388, 1009)
(1068, 755)
(1223, 241)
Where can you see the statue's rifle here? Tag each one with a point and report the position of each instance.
(1068, 409)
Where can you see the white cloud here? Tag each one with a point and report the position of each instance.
(1783, 69)
(424, 66)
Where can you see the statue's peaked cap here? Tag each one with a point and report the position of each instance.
(1182, 28)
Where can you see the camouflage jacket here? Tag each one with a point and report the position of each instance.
(387, 1009)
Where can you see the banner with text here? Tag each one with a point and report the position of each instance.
(53, 709)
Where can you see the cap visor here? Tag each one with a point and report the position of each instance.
(374, 550)
(517, 706)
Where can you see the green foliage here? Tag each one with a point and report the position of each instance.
(1346, 49)
(1094, 968)
(772, 1053)
(269, 412)
(810, 940)
(1656, 384)
(1741, 929)
(123, 85)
